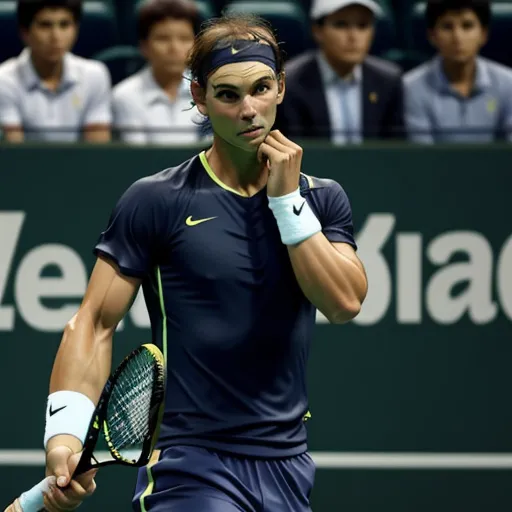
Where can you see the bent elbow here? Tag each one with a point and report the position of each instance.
(345, 313)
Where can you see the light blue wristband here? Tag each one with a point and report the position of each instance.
(32, 501)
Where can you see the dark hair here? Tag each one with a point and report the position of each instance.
(152, 12)
(437, 8)
(224, 30)
(27, 10)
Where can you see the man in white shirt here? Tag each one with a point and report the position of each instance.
(47, 93)
(155, 106)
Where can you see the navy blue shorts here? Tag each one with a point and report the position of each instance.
(193, 479)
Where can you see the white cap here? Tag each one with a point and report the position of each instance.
(321, 8)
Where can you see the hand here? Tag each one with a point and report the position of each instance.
(284, 159)
(67, 494)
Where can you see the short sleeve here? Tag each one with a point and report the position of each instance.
(335, 213)
(98, 109)
(10, 114)
(132, 237)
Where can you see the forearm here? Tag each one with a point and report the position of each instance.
(84, 357)
(333, 282)
(82, 364)
(14, 134)
(97, 134)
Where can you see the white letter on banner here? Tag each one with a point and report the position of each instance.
(10, 230)
(30, 287)
(409, 287)
(504, 277)
(476, 298)
(370, 241)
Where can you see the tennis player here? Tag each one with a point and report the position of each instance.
(235, 250)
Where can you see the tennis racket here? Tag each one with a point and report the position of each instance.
(126, 421)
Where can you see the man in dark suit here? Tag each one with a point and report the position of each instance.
(339, 91)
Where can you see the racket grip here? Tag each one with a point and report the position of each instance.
(82, 467)
(32, 500)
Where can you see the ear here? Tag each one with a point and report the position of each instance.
(143, 47)
(431, 36)
(199, 97)
(316, 30)
(24, 36)
(485, 36)
(281, 87)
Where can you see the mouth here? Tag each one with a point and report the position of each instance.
(254, 131)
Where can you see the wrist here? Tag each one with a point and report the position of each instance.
(66, 440)
(295, 218)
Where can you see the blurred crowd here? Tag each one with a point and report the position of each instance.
(342, 83)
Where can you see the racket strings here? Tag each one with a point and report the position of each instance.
(128, 415)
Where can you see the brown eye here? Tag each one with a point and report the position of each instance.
(447, 25)
(468, 25)
(339, 24)
(227, 95)
(262, 89)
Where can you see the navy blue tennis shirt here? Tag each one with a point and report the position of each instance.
(224, 304)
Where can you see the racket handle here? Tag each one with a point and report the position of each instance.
(32, 500)
(82, 467)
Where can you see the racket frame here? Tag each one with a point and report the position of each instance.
(98, 420)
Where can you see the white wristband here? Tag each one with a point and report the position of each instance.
(295, 219)
(68, 412)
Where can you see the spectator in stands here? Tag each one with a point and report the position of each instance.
(458, 96)
(47, 93)
(155, 105)
(340, 91)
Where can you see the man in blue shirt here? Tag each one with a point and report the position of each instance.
(458, 96)
(234, 249)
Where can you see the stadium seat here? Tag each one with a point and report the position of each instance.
(121, 61)
(287, 17)
(10, 42)
(98, 29)
(127, 10)
(497, 47)
(385, 32)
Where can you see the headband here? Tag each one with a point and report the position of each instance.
(240, 50)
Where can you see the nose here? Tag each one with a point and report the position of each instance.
(248, 112)
(353, 33)
(55, 32)
(458, 34)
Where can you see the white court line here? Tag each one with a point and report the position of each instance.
(339, 460)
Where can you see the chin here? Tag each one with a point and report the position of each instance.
(459, 59)
(54, 58)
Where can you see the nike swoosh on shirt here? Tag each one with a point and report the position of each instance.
(191, 222)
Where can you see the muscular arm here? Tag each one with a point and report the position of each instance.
(13, 133)
(11, 123)
(97, 133)
(83, 360)
(331, 276)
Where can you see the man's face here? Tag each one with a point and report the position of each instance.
(458, 35)
(168, 45)
(52, 33)
(241, 101)
(346, 35)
